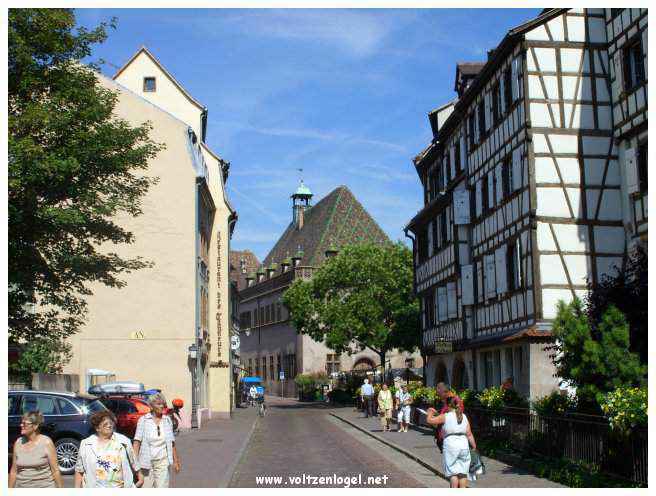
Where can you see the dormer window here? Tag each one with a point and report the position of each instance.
(149, 84)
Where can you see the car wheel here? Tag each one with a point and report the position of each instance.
(67, 449)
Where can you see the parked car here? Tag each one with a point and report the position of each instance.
(66, 420)
(128, 409)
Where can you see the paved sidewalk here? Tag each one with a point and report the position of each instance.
(419, 445)
(209, 455)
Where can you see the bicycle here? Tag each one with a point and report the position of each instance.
(261, 407)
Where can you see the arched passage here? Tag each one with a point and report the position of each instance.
(459, 374)
(441, 374)
(363, 365)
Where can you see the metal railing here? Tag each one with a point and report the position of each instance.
(575, 437)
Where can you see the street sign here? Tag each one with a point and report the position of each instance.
(443, 347)
(234, 342)
(282, 375)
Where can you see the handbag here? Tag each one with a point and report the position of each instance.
(135, 477)
(476, 466)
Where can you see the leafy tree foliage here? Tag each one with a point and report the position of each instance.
(361, 298)
(595, 360)
(627, 290)
(73, 167)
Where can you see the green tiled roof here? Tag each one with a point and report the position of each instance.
(337, 220)
(302, 190)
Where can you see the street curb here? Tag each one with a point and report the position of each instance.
(236, 459)
(398, 448)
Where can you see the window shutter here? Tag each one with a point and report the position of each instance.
(479, 198)
(499, 177)
(452, 161)
(430, 239)
(515, 73)
(517, 169)
(442, 303)
(619, 72)
(501, 270)
(479, 282)
(449, 236)
(490, 277)
(467, 284)
(452, 299)
(461, 206)
(463, 152)
(631, 170)
(502, 93)
(488, 111)
(489, 191)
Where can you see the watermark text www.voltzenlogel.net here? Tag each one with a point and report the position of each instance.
(333, 480)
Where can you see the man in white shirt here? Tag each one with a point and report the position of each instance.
(367, 395)
(403, 401)
(252, 393)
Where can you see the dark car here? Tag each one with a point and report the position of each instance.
(128, 410)
(65, 420)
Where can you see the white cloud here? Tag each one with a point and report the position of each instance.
(356, 32)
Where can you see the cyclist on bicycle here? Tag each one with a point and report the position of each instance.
(260, 400)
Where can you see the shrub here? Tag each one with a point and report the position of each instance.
(304, 380)
(512, 398)
(556, 403)
(469, 398)
(492, 398)
(626, 408)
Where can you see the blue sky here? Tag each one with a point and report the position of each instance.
(342, 94)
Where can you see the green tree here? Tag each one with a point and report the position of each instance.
(362, 296)
(595, 361)
(627, 290)
(73, 167)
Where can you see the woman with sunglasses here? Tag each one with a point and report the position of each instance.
(154, 444)
(34, 460)
(106, 458)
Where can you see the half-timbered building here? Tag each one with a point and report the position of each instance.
(627, 49)
(522, 202)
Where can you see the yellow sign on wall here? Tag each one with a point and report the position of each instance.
(443, 347)
(137, 335)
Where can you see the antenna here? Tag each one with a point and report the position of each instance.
(300, 173)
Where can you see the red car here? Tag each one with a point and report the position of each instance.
(128, 410)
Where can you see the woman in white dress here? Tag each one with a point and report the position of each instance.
(458, 438)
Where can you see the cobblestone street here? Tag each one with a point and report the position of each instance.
(296, 439)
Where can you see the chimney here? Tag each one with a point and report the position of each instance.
(296, 259)
(331, 251)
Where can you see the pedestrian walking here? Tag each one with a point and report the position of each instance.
(34, 459)
(367, 394)
(444, 394)
(403, 402)
(458, 439)
(154, 444)
(385, 405)
(106, 458)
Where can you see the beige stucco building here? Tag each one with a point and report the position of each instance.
(147, 331)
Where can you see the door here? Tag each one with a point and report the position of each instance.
(46, 405)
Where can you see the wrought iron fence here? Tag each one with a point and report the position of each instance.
(575, 437)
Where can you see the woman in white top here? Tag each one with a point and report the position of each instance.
(458, 438)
